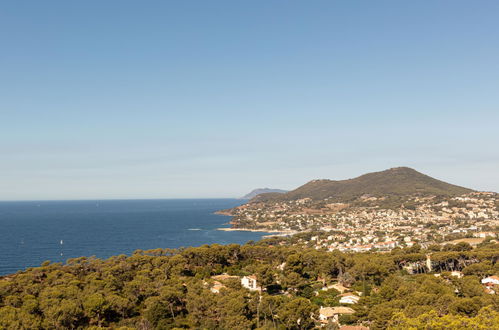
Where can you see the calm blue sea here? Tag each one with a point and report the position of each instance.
(32, 232)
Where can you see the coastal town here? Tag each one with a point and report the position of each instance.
(429, 223)
(371, 223)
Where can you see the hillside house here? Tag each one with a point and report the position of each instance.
(485, 234)
(349, 298)
(249, 282)
(337, 286)
(491, 280)
(332, 313)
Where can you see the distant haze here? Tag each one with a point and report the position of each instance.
(121, 99)
(259, 191)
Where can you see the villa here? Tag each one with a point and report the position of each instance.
(249, 282)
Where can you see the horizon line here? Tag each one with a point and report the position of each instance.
(110, 199)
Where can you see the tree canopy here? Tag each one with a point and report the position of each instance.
(165, 289)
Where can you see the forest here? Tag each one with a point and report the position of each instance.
(173, 289)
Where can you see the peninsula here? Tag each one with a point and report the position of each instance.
(397, 207)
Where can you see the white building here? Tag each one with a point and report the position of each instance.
(485, 234)
(491, 280)
(249, 282)
(349, 299)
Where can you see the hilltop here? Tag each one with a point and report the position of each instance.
(399, 181)
(259, 191)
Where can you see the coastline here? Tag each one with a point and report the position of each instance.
(223, 212)
(271, 232)
(248, 229)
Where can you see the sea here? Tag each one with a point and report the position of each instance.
(35, 231)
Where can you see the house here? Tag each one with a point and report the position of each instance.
(349, 298)
(249, 282)
(485, 234)
(490, 283)
(340, 288)
(326, 313)
(385, 245)
(331, 313)
(491, 280)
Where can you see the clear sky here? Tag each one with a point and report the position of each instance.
(176, 99)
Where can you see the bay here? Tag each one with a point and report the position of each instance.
(34, 231)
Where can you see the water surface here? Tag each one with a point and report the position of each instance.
(32, 232)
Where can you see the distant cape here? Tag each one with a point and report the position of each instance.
(259, 191)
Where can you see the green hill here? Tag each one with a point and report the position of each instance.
(395, 181)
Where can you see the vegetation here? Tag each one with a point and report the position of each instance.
(163, 289)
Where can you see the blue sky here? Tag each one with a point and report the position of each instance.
(164, 99)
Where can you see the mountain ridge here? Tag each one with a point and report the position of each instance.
(393, 181)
